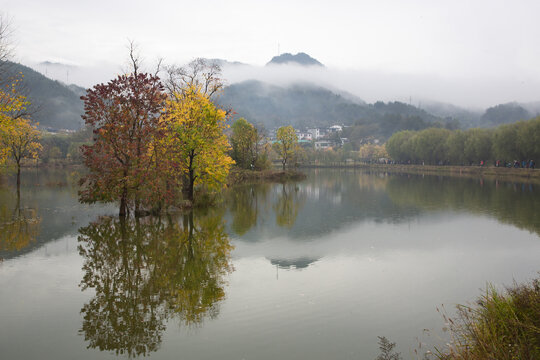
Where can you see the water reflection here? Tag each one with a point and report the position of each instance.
(289, 201)
(146, 271)
(244, 205)
(508, 202)
(19, 226)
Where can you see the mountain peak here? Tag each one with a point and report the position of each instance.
(300, 58)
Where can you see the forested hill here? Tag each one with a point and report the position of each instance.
(305, 105)
(299, 59)
(53, 104)
(504, 114)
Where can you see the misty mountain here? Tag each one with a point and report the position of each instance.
(223, 62)
(300, 59)
(467, 117)
(504, 114)
(307, 105)
(53, 104)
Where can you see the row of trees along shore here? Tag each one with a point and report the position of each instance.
(434, 146)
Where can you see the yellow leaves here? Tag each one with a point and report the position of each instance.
(19, 139)
(12, 104)
(11, 101)
(196, 139)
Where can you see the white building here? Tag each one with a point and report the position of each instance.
(335, 128)
(304, 135)
(317, 133)
(323, 144)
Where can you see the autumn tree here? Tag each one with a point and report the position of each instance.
(195, 143)
(122, 167)
(286, 143)
(13, 104)
(20, 138)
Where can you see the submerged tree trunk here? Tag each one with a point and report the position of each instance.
(123, 207)
(123, 202)
(18, 176)
(188, 186)
(124, 196)
(189, 180)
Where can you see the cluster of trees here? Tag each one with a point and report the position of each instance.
(517, 141)
(249, 149)
(64, 147)
(154, 141)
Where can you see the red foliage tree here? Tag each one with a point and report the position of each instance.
(124, 114)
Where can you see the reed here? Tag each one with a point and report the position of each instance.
(503, 325)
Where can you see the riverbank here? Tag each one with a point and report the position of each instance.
(241, 176)
(508, 174)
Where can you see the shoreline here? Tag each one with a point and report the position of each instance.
(527, 175)
(241, 176)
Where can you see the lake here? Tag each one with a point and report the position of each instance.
(310, 270)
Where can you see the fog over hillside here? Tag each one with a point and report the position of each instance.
(299, 90)
(373, 86)
(474, 94)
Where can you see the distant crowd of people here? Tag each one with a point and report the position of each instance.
(524, 164)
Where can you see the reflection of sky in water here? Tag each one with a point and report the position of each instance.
(321, 285)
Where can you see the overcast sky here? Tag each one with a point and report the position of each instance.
(473, 45)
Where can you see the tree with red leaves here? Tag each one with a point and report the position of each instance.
(123, 161)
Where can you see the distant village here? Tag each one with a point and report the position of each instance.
(321, 138)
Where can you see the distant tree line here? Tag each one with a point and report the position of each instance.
(506, 143)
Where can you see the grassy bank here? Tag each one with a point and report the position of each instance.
(240, 176)
(503, 325)
(518, 174)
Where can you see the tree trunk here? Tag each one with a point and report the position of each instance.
(283, 162)
(189, 181)
(123, 203)
(18, 176)
(124, 196)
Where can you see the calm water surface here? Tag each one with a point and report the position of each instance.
(310, 270)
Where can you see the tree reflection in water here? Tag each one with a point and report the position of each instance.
(146, 271)
(19, 227)
(244, 204)
(288, 204)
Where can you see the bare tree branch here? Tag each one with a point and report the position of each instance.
(200, 73)
(135, 61)
(6, 45)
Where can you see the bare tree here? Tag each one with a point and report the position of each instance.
(135, 62)
(6, 45)
(201, 73)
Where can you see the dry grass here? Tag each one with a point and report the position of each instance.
(502, 326)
